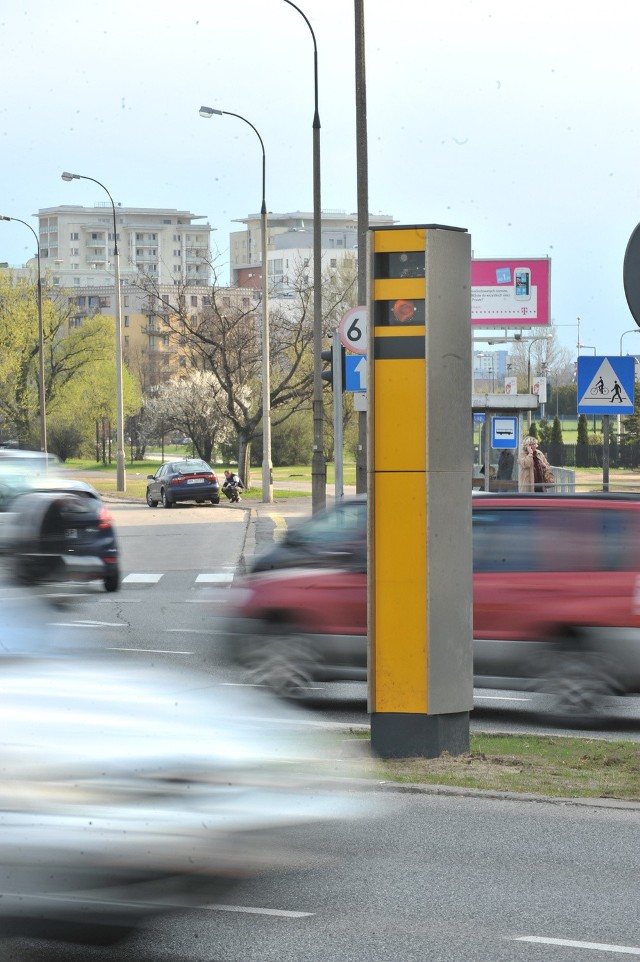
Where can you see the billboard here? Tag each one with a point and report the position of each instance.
(510, 293)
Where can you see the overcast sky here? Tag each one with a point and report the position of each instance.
(518, 122)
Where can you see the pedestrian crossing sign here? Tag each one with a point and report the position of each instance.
(606, 385)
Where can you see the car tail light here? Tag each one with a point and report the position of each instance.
(104, 518)
(211, 477)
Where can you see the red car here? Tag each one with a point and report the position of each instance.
(556, 601)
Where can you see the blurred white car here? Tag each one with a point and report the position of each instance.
(123, 795)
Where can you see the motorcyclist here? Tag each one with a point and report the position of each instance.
(232, 486)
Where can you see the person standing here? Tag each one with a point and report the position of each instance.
(534, 472)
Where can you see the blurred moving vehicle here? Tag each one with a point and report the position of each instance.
(556, 600)
(127, 793)
(189, 479)
(55, 528)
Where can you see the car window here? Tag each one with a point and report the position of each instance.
(345, 523)
(502, 540)
(191, 467)
(556, 539)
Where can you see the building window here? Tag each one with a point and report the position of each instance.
(306, 262)
(226, 302)
(126, 300)
(165, 340)
(105, 302)
(74, 237)
(194, 300)
(167, 220)
(92, 301)
(333, 262)
(126, 320)
(75, 252)
(153, 237)
(177, 253)
(177, 237)
(126, 340)
(56, 280)
(245, 303)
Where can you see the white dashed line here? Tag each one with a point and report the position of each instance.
(498, 698)
(152, 651)
(254, 910)
(595, 946)
(143, 578)
(214, 578)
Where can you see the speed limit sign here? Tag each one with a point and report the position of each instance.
(353, 330)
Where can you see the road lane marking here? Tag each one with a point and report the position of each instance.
(597, 946)
(152, 651)
(88, 624)
(142, 578)
(214, 578)
(255, 910)
(498, 698)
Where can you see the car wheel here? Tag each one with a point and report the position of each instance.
(112, 579)
(576, 685)
(215, 501)
(166, 502)
(281, 660)
(150, 500)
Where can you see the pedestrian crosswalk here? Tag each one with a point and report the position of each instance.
(140, 578)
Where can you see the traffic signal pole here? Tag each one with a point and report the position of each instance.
(338, 388)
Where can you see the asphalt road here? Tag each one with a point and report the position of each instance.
(425, 878)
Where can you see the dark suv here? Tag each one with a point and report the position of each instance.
(556, 600)
(190, 479)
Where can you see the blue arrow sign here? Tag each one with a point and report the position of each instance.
(355, 372)
(606, 385)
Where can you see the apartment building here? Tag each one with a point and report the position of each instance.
(77, 244)
(290, 246)
(153, 349)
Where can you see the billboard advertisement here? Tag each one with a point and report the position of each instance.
(510, 293)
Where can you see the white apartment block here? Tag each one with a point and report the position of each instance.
(77, 245)
(290, 246)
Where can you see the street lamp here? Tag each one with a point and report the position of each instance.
(267, 467)
(121, 480)
(318, 466)
(531, 343)
(633, 330)
(43, 412)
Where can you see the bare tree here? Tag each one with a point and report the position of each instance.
(224, 338)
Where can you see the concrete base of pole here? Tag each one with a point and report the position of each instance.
(396, 735)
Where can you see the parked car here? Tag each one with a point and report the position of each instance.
(55, 529)
(556, 601)
(189, 479)
(126, 794)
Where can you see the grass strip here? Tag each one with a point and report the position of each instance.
(549, 765)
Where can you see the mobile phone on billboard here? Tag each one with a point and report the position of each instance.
(522, 281)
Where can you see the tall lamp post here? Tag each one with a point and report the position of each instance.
(633, 330)
(267, 467)
(41, 385)
(318, 466)
(121, 480)
(531, 343)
